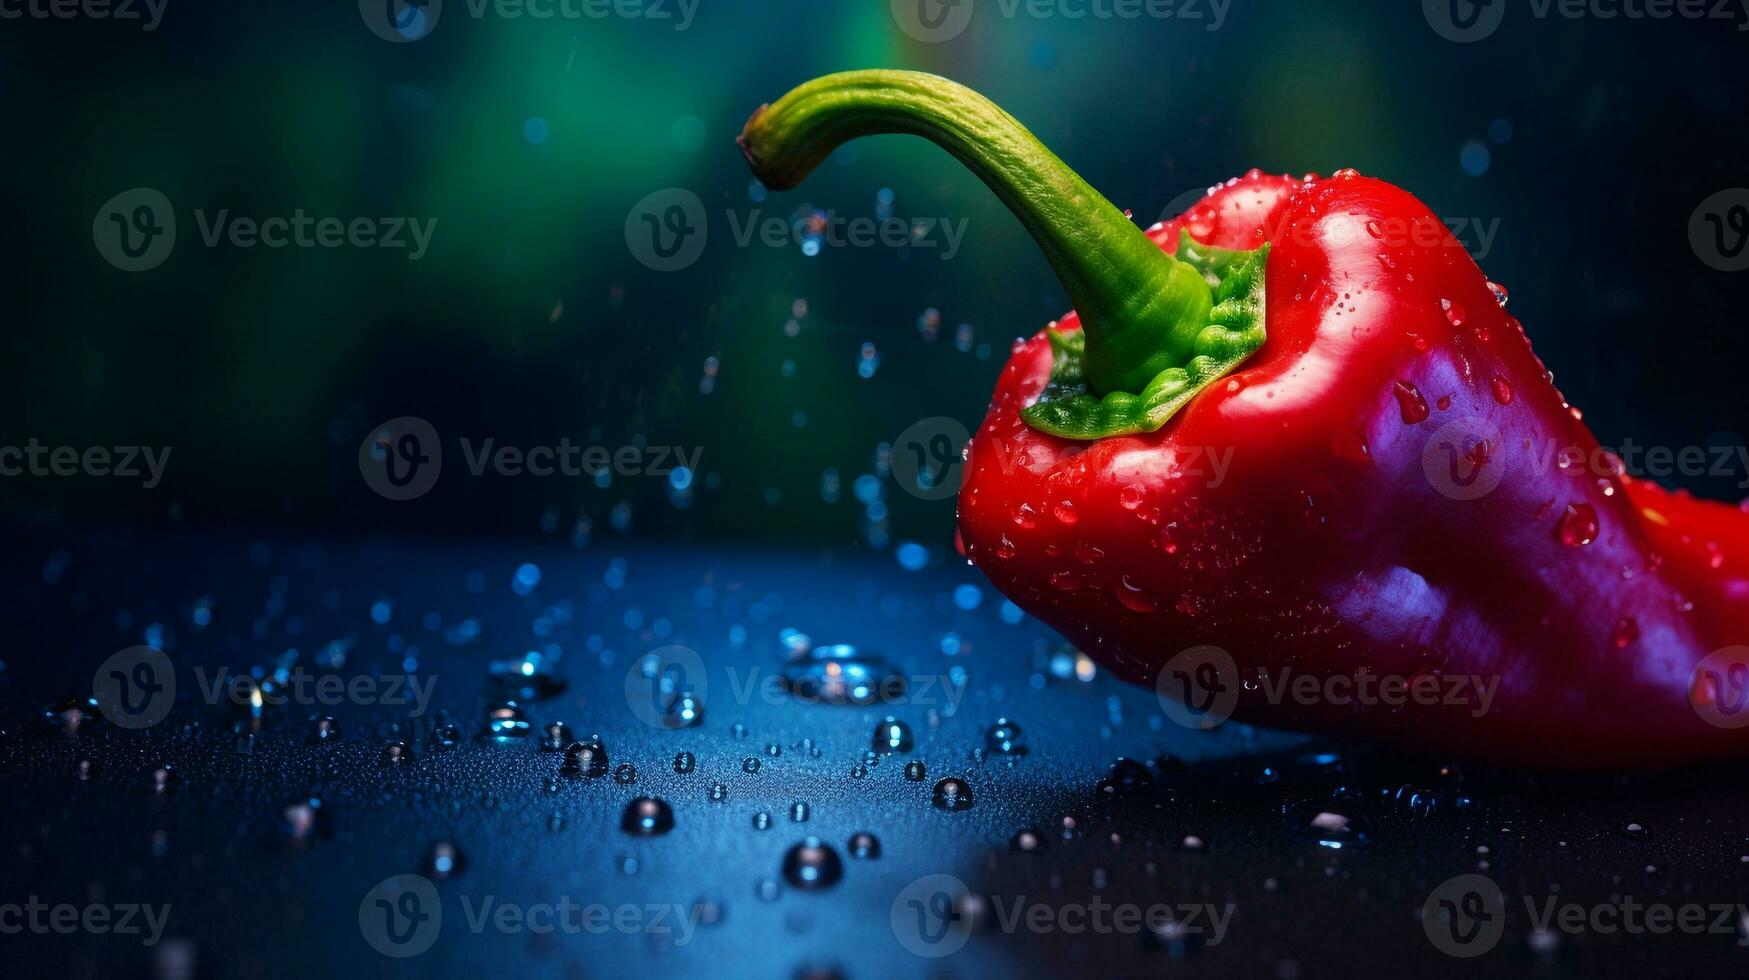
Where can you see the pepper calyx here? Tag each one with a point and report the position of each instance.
(1069, 407)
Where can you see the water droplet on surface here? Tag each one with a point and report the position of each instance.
(1454, 314)
(625, 772)
(1500, 293)
(865, 846)
(554, 736)
(914, 771)
(952, 794)
(445, 736)
(685, 762)
(1133, 597)
(1005, 738)
(396, 754)
(1410, 405)
(1028, 841)
(586, 759)
(71, 715)
(1578, 525)
(859, 771)
(1634, 830)
(812, 865)
(647, 816)
(324, 731)
(892, 735)
(505, 722)
(761, 820)
(1127, 777)
(1502, 391)
(719, 793)
(799, 812)
(750, 764)
(840, 673)
(1328, 828)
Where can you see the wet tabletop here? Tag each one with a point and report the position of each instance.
(363, 754)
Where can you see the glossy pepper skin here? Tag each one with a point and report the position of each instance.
(1390, 486)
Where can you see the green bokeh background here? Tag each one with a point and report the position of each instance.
(530, 320)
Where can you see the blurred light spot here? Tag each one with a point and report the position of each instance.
(1474, 158)
(535, 130)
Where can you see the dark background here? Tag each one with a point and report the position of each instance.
(530, 321)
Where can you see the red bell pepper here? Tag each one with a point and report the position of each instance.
(1297, 423)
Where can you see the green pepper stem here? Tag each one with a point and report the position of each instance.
(1140, 308)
